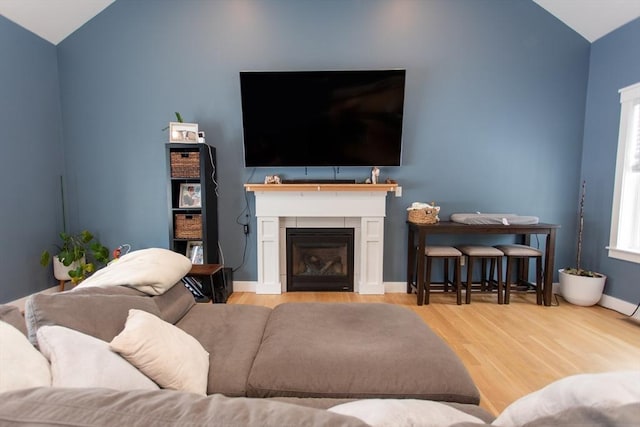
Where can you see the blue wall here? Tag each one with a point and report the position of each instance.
(494, 112)
(31, 162)
(615, 63)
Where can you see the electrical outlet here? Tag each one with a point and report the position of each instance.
(246, 229)
(398, 191)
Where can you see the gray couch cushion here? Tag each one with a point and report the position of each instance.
(108, 290)
(231, 334)
(103, 407)
(328, 402)
(102, 312)
(100, 316)
(174, 303)
(356, 351)
(11, 314)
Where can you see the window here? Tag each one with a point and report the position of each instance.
(624, 241)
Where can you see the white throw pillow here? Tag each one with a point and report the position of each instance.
(163, 352)
(404, 413)
(152, 271)
(80, 360)
(21, 365)
(603, 391)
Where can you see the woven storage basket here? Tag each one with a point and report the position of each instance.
(185, 164)
(423, 216)
(188, 226)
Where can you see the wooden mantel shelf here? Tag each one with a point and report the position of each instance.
(321, 187)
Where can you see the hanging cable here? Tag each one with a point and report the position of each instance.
(246, 211)
(213, 171)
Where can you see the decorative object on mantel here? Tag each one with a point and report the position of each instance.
(272, 179)
(423, 213)
(577, 285)
(375, 173)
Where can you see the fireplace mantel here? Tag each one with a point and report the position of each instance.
(358, 206)
(321, 187)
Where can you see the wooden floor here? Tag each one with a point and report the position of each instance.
(510, 350)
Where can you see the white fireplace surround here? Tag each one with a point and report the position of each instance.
(358, 206)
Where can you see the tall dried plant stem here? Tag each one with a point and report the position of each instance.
(580, 226)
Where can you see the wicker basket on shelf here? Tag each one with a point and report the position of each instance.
(185, 164)
(424, 216)
(188, 226)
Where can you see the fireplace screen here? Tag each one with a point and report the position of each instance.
(320, 259)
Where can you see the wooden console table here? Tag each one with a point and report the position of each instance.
(420, 232)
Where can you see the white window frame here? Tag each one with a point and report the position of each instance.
(629, 99)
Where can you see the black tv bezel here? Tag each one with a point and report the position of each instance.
(399, 71)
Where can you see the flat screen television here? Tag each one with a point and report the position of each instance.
(322, 118)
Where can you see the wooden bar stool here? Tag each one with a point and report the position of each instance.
(484, 254)
(446, 253)
(522, 253)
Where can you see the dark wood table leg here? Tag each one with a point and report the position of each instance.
(420, 258)
(523, 265)
(549, 255)
(410, 259)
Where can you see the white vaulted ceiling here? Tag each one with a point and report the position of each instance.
(593, 19)
(54, 20)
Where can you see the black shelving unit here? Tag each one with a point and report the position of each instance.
(190, 165)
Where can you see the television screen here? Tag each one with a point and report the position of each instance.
(322, 118)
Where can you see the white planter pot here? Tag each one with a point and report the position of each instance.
(60, 271)
(581, 290)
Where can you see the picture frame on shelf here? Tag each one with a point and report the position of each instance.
(195, 251)
(190, 195)
(183, 132)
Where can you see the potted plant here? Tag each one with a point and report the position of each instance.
(178, 119)
(577, 285)
(77, 257)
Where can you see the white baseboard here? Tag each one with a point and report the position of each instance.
(611, 303)
(242, 286)
(395, 287)
(619, 305)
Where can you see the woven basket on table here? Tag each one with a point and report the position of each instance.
(423, 216)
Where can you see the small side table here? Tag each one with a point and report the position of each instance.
(207, 271)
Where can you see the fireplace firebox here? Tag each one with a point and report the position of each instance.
(320, 259)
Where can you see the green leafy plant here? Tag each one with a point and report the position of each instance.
(81, 248)
(578, 270)
(178, 119)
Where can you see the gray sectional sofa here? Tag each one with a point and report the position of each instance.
(296, 364)
(302, 350)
